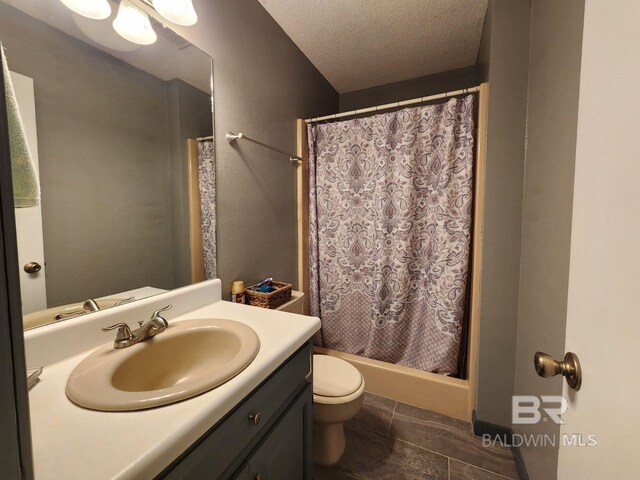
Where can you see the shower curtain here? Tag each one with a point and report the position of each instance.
(390, 224)
(207, 184)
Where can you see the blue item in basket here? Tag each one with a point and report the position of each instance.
(265, 289)
(266, 282)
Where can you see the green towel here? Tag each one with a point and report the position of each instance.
(26, 186)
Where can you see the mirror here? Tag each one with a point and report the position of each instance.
(118, 133)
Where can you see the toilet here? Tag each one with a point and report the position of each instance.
(338, 392)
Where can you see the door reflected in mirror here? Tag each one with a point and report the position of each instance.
(119, 140)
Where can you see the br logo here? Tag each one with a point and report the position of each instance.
(528, 409)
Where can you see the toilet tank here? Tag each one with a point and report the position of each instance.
(294, 305)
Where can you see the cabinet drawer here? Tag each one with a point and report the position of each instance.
(216, 454)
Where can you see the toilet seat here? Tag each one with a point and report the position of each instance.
(335, 380)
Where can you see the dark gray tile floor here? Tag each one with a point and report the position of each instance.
(391, 440)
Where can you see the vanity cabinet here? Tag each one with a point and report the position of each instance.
(266, 437)
(282, 454)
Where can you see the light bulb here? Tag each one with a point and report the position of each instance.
(180, 12)
(94, 9)
(133, 24)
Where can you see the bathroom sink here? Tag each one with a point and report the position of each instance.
(189, 358)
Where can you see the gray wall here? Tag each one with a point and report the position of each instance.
(408, 89)
(554, 77)
(509, 53)
(262, 83)
(484, 50)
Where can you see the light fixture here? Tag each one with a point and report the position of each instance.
(133, 24)
(180, 12)
(94, 9)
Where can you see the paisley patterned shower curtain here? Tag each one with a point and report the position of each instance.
(390, 225)
(207, 184)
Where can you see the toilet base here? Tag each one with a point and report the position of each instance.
(328, 443)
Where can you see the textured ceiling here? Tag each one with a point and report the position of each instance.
(358, 44)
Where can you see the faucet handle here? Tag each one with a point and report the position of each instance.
(156, 315)
(123, 301)
(124, 332)
(163, 309)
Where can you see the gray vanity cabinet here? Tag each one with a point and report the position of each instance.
(266, 437)
(282, 455)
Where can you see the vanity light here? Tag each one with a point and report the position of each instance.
(180, 12)
(133, 24)
(94, 9)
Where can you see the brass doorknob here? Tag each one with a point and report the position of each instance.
(32, 267)
(546, 366)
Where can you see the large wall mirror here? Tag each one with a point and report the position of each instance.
(120, 135)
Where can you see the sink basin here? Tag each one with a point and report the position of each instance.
(189, 358)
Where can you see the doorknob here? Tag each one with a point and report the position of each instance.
(569, 368)
(32, 267)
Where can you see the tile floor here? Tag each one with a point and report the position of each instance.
(389, 440)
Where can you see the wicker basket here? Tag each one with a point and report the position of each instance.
(281, 295)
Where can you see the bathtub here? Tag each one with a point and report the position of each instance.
(446, 395)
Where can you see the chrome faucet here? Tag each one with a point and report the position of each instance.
(125, 337)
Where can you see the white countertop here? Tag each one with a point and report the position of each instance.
(70, 442)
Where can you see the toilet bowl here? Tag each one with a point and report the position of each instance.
(338, 392)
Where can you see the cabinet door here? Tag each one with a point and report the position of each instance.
(285, 454)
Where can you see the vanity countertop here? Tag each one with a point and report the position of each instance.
(71, 442)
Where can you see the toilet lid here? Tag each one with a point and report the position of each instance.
(334, 377)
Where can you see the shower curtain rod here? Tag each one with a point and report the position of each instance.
(403, 103)
(232, 137)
